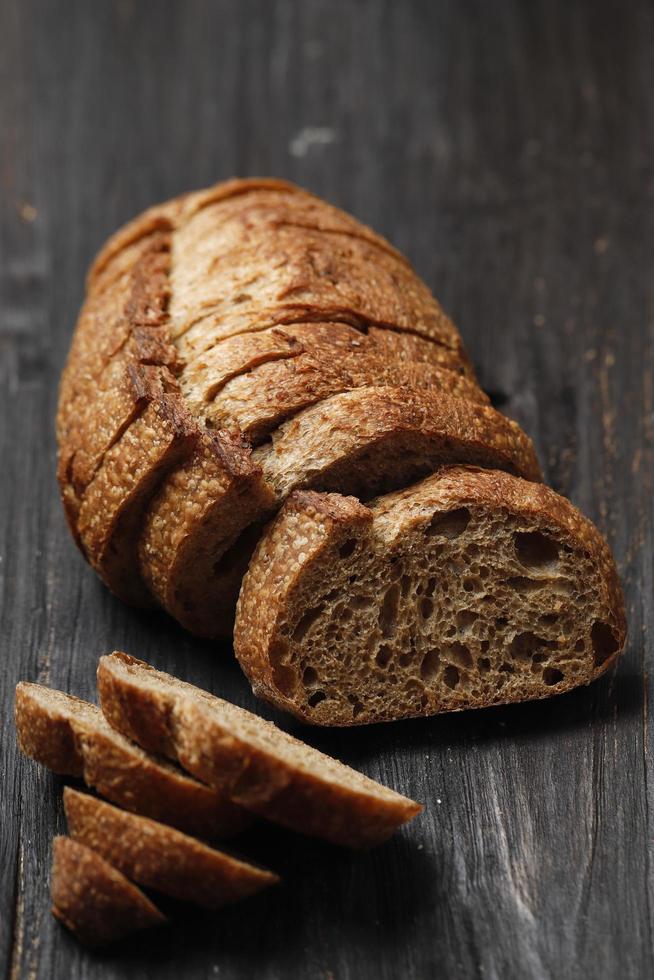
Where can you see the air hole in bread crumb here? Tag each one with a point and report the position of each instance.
(430, 664)
(448, 525)
(460, 653)
(316, 698)
(451, 676)
(604, 642)
(580, 646)
(430, 586)
(278, 652)
(305, 623)
(520, 583)
(347, 547)
(524, 645)
(285, 679)
(484, 665)
(405, 585)
(309, 677)
(426, 607)
(534, 550)
(465, 619)
(548, 619)
(388, 610)
(384, 654)
(552, 676)
(361, 601)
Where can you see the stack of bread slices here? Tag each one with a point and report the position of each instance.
(229, 767)
(250, 351)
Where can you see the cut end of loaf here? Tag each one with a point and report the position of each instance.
(471, 588)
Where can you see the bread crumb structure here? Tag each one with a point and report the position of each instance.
(469, 589)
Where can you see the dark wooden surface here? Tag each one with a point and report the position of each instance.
(508, 148)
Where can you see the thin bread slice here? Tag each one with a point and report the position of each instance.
(93, 900)
(329, 358)
(468, 589)
(159, 857)
(72, 737)
(254, 762)
(365, 441)
(231, 273)
(310, 347)
(192, 522)
(362, 442)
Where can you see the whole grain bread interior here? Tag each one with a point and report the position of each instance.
(471, 588)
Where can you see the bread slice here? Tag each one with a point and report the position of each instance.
(159, 857)
(332, 358)
(94, 900)
(468, 589)
(251, 760)
(73, 738)
(365, 441)
(309, 347)
(232, 273)
(191, 524)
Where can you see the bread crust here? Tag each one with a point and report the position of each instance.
(305, 536)
(71, 737)
(93, 900)
(251, 760)
(348, 442)
(156, 502)
(160, 857)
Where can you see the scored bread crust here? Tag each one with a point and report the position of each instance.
(324, 359)
(93, 900)
(364, 441)
(259, 766)
(124, 424)
(72, 737)
(160, 857)
(303, 556)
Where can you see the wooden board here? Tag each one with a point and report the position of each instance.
(507, 147)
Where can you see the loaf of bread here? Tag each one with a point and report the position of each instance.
(250, 342)
(73, 738)
(256, 764)
(94, 900)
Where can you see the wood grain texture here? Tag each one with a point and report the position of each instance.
(508, 149)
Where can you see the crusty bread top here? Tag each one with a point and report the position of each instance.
(373, 439)
(73, 738)
(253, 761)
(161, 857)
(94, 900)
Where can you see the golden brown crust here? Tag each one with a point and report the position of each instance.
(94, 900)
(300, 555)
(255, 763)
(307, 363)
(72, 738)
(367, 440)
(160, 857)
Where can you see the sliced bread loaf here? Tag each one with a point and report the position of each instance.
(94, 900)
(73, 738)
(468, 589)
(255, 763)
(160, 857)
